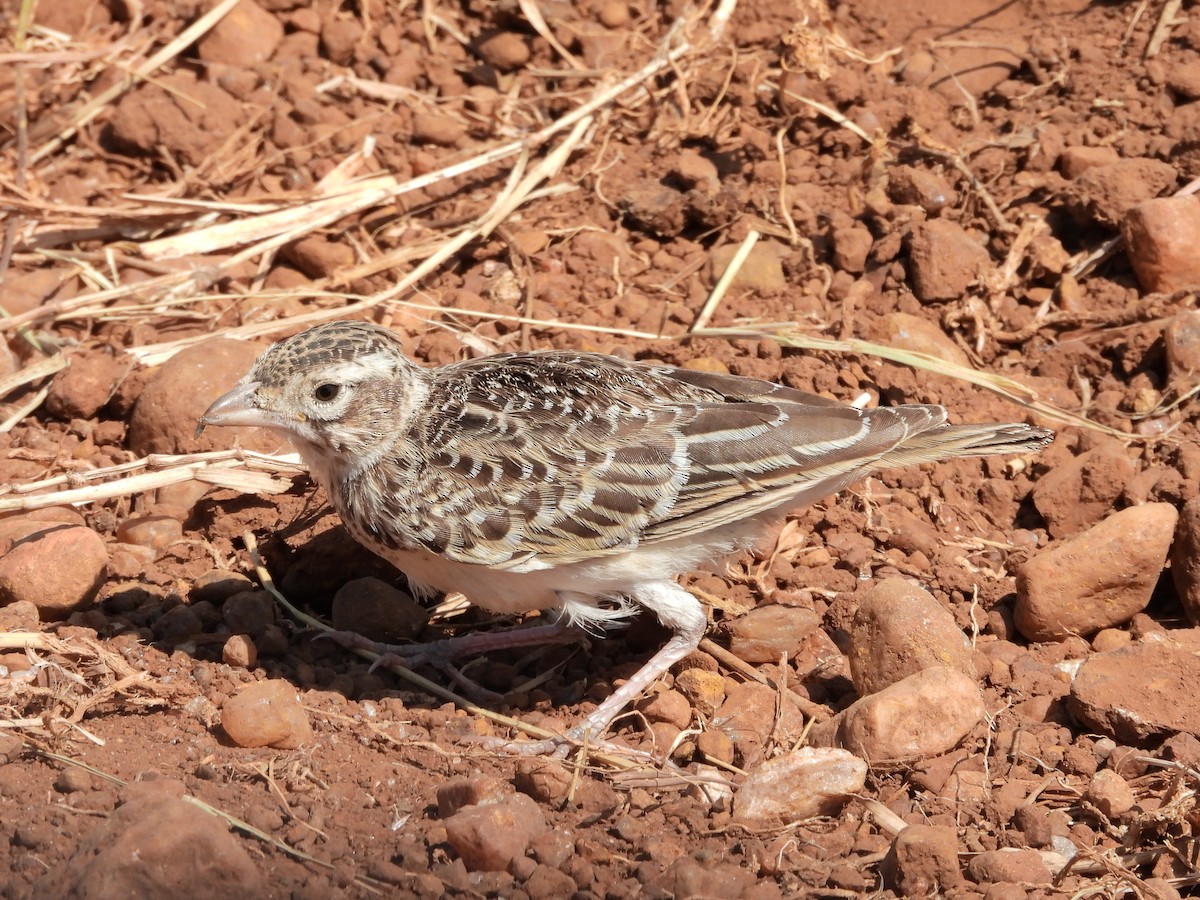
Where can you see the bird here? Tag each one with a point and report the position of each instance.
(577, 484)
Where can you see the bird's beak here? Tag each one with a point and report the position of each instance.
(237, 407)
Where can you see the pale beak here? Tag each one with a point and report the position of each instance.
(237, 407)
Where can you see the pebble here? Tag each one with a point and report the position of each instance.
(433, 128)
(239, 651)
(479, 790)
(545, 780)
(704, 690)
(19, 616)
(920, 187)
(244, 37)
(1181, 338)
(798, 785)
(82, 389)
(851, 247)
(33, 571)
(762, 271)
(715, 744)
(1018, 865)
(218, 585)
(1110, 793)
(1074, 161)
(1097, 579)
(1106, 194)
(613, 14)
(924, 715)
(1185, 559)
(153, 845)
(504, 50)
(923, 862)
(899, 630)
(266, 714)
(155, 532)
(769, 632)
(1076, 494)
(373, 607)
(318, 257)
(944, 260)
(697, 171)
(489, 838)
(339, 36)
(177, 394)
(1142, 692)
(668, 706)
(908, 332)
(748, 716)
(249, 612)
(1160, 240)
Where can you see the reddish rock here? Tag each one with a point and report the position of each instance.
(1074, 161)
(1110, 793)
(1078, 493)
(923, 862)
(489, 838)
(1161, 237)
(58, 569)
(1105, 194)
(266, 714)
(908, 332)
(372, 607)
(769, 632)
(799, 785)
(1097, 579)
(944, 260)
(87, 384)
(245, 36)
(1010, 864)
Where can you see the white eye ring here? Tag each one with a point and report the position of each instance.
(327, 392)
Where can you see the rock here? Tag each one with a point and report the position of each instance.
(798, 785)
(748, 716)
(479, 790)
(671, 707)
(1185, 559)
(920, 187)
(1110, 793)
(908, 332)
(762, 271)
(19, 616)
(339, 36)
(1141, 692)
(1160, 240)
(374, 608)
(1018, 865)
(923, 862)
(489, 838)
(33, 570)
(156, 846)
(433, 128)
(769, 632)
(899, 630)
(266, 714)
(245, 36)
(704, 690)
(1096, 579)
(1074, 161)
(924, 715)
(155, 532)
(248, 612)
(1183, 79)
(943, 260)
(1105, 194)
(851, 247)
(218, 585)
(505, 50)
(318, 257)
(239, 651)
(1181, 338)
(696, 170)
(1077, 494)
(165, 417)
(87, 384)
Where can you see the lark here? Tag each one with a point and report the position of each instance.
(578, 484)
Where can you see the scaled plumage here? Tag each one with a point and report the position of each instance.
(570, 481)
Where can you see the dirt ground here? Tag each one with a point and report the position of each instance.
(932, 177)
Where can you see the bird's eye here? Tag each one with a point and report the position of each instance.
(326, 392)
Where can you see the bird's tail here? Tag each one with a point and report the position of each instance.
(955, 441)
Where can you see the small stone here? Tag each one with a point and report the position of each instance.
(1018, 865)
(244, 37)
(798, 785)
(924, 715)
(479, 790)
(769, 632)
(715, 744)
(239, 651)
(920, 187)
(318, 257)
(1106, 194)
(851, 247)
(1181, 338)
(82, 389)
(704, 690)
(900, 629)
(762, 270)
(489, 838)
(670, 707)
(1110, 793)
(373, 607)
(432, 128)
(707, 364)
(155, 532)
(1097, 579)
(545, 780)
(613, 14)
(1185, 559)
(33, 570)
(1074, 161)
(218, 585)
(72, 780)
(503, 49)
(1161, 236)
(1183, 79)
(339, 36)
(923, 862)
(1080, 492)
(698, 171)
(908, 332)
(1140, 693)
(944, 260)
(748, 716)
(266, 714)
(249, 612)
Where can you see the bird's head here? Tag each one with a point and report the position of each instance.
(343, 389)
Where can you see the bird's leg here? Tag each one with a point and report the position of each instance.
(440, 654)
(677, 610)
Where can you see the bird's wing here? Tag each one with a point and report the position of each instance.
(540, 460)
